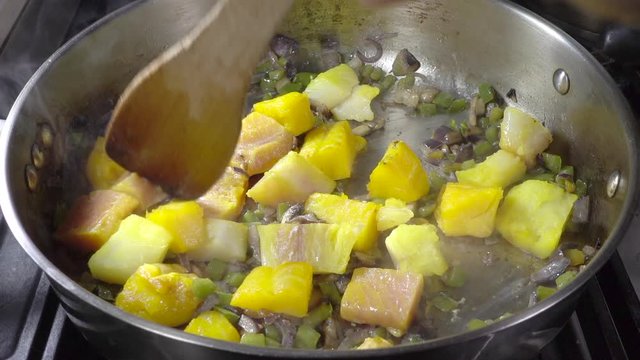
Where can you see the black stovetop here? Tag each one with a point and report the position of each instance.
(33, 325)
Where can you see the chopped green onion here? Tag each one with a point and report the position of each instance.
(486, 93)
(272, 332)
(367, 69)
(304, 78)
(273, 343)
(330, 290)
(280, 210)
(543, 292)
(250, 217)
(435, 155)
(444, 303)
(576, 256)
(235, 278)
(545, 177)
(552, 162)
(268, 96)
(282, 61)
(482, 149)
(504, 316)
(381, 332)
(475, 324)
(484, 122)
(203, 287)
(496, 114)
(564, 279)
(457, 105)
(455, 277)
(407, 82)
(216, 269)
(306, 337)
(567, 170)
(450, 168)
(581, 188)
(376, 74)
(276, 74)
(468, 164)
(427, 109)
(290, 87)
(443, 100)
(569, 186)
(492, 134)
(387, 82)
(268, 85)
(264, 66)
(225, 298)
(426, 210)
(253, 339)
(436, 181)
(318, 315)
(230, 315)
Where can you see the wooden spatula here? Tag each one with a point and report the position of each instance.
(178, 121)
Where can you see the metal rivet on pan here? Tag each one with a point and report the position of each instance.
(46, 135)
(612, 183)
(561, 81)
(37, 156)
(31, 177)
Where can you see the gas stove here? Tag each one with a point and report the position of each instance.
(33, 325)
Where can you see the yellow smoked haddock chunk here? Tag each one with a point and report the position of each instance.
(283, 289)
(291, 110)
(291, 180)
(465, 210)
(101, 170)
(94, 218)
(185, 222)
(333, 149)
(383, 297)
(533, 215)
(358, 217)
(225, 199)
(214, 325)
(263, 141)
(140, 188)
(399, 175)
(160, 293)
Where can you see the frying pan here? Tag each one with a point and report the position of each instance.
(460, 43)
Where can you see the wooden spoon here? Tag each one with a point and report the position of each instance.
(178, 121)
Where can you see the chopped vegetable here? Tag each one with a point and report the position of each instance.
(458, 105)
(225, 240)
(357, 217)
(332, 87)
(523, 135)
(576, 256)
(405, 63)
(318, 315)
(292, 179)
(496, 114)
(455, 277)
(564, 279)
(444, 303)
(101, 170)
(552, 162)
(399, 175)
(543, 292)
(358, 105)
(330, 290)
(94, 218)
(140, 188)
(138, 241)
(225, 199)
(306, 337)
(284, 289)
(203, 288)
(443, 100)
(291, 110)
(375, 343)
(263, 141)
(533, 215)
(216, 269)
(416, 248)
(498, 170)
(333, 149)
(426, 109)
(214, 325)
(394, 212)
(465, 210)
(235, 278)
(475, 324)
(382, 297)
(253, 339)
(326, 247)
(185, 221)
(486, 93)
(160, 293)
